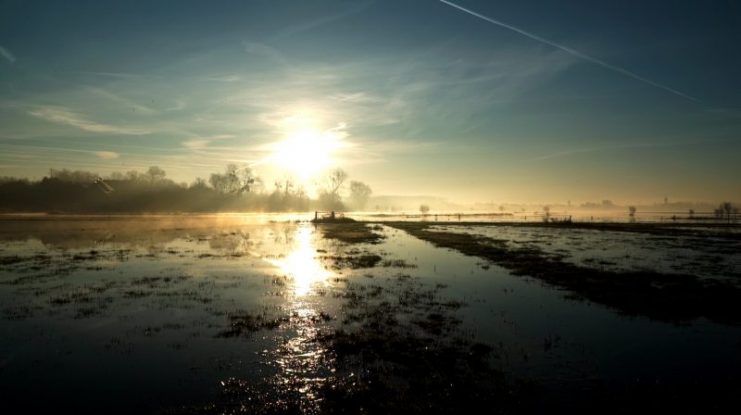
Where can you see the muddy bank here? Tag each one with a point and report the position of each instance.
(666, 297)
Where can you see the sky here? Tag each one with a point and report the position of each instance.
(477, 101)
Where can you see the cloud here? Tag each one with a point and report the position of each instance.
(573, 52)
(121, 75)
(303, 27)
(356, 98)
(260, 49)
(201, 143)
(121, 100)
(179, 105)
(628, 146)
(196, 144)
(65, 117)
(224, 78)
(5, 53)
(107, 155)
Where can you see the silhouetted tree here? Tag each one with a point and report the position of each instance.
(132, 175)
(199, 183)
(329, 197)
(72, 176)
(116, 175)
(154, 174)
(288, 196)
(359, 194)
(726, 209)
(335, 179)
(235, 179)
(424, 209)
(632, 213)
(546, 213)
(70, 191)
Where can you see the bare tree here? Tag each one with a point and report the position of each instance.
(116, 175)
(155, 174)
(546, 213)
(236, 179)
(359, 194)
(335, 180)
(288, 186)
(72, 176)
(329, 197)
(199, 183)
(132, 175)
(726, 209)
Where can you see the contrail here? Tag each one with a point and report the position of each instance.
(573, 52)
(7, 55)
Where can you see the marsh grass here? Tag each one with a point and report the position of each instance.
(666, 297)
(350, 232)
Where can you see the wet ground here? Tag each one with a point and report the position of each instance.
(232, 314)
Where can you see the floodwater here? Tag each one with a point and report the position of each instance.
(263, 314)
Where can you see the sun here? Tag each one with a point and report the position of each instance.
(307, 151)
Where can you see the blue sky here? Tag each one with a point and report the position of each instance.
(425, 98)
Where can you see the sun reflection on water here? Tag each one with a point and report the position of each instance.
(302, 265)
(304, 364)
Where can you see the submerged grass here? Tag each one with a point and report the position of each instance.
(665, 297)
(350, 232)
(397, 348)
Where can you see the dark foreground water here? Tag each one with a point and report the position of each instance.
(258, 315)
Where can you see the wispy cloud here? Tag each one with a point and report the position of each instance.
(107, 155)
(573, 52)
(263, 50)
(120, 75)
(121, 100)
(224, 78)
(356, 98)
(179, 105)
(196, 144)
(626, 146)
(5, 53)
(202, 143)
(66, 117)
(303, 27)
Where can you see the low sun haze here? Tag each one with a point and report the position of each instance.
(473, 101)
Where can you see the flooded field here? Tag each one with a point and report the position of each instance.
(267, 314)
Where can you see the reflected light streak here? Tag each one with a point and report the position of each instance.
(302, 265)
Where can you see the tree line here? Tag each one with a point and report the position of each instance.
(236, 189)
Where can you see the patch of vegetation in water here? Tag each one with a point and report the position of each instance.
(365, 260)
(665, 297)
(350, 232)
(243, 324)
(395, 348)
(397, 263)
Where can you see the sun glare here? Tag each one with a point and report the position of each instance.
(307, 150)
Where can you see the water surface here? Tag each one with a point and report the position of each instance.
(167, 313)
